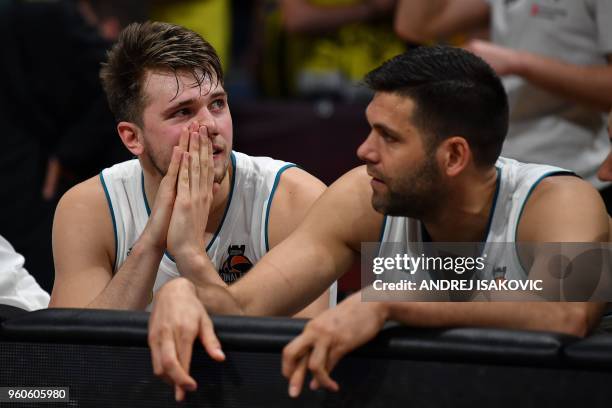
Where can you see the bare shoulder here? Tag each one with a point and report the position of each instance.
(346, 208)
(355, 181)
(353, 193)
(564, 209)
(297, 185)
(84, 199)
(295, 193)
(83, 220)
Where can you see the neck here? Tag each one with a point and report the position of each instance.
(152, 180)
(465, 217)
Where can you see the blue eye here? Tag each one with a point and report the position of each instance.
(218, 104)
(182, 112)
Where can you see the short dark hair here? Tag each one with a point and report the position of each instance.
(455, 93)
(148, 46)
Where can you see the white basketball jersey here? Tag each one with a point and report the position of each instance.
(515, 182)
(242, 236)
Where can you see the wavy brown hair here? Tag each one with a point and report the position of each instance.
(142, 47)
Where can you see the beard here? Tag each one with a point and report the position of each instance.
(413, 195)
(161, 170)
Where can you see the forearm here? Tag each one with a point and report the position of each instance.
(315, 308)
(276, 287)
(570, 318)
(131, 287)
(421, 21)
(218, 300)
(303, 17)
(198, 268)
(591, 85)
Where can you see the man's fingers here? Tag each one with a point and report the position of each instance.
(184, 139)
(334, 356)
(194, 153)
(167, 188)
(315, 385)
(293, 352)
(171, 367)
(295, 362)
(203, 133)
(173, 168)
(317, 364)
(211, 165)
(155, 346)
(206, 161)
(182, 189)
(296, 379)
(184, 348)
(179, 393)
(209, 339)
(184, 343)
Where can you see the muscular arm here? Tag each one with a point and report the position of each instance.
(589, 85)
(576, 319)
(581, 218)
(84, 248)
(294, 195)
(301, 16)
(560, 209)
(289, 277)
(420, 21)
(84, 253)
(318, 252)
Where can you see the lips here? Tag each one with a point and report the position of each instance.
(375, 177)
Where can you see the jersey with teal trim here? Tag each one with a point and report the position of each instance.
(515, 183)
(242, 237)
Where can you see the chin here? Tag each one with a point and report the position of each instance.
(379, 206)
(221, 172)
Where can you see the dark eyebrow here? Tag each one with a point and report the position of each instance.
(387, 130)
(179, 105)
(190, 101)
(218, 94)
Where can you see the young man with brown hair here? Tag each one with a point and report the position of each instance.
(188, 200)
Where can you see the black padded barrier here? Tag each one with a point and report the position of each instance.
(8, 312)
(102, 356)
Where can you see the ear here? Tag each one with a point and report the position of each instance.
(131, 136)
(454, 155)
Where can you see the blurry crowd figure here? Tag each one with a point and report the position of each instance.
(17, 287)
(56, 126)
(231, 35)
(323, 48)
(209, 18)
(554, 58)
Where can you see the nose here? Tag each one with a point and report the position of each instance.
(605, 171)
(367, 151)
(205, 118)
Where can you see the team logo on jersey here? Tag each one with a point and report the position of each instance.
(236, 264)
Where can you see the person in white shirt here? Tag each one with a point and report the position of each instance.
(17, 287)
